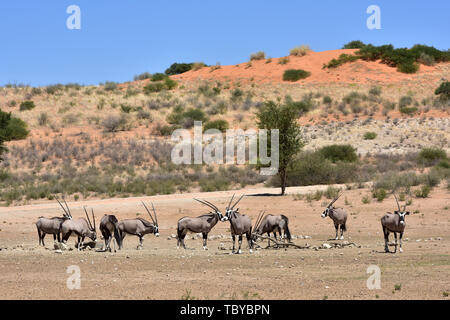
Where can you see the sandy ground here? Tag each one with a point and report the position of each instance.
(160, 271)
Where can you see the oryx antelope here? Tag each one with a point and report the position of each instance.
(109, 227)
(81, 227)
(239, 224)
(338, 215)
(201, 224)
(394, 222)
(139, 227)
(270, 223)
(52, 225)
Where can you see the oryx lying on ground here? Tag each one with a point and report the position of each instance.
(139, 227)
(338, 215)
(271, 223)
(239, 224)
(109, 227)
(394, 222)
(52, 225)
(81, 227)
(201, 224)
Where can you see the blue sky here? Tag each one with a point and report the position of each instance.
(119, 39)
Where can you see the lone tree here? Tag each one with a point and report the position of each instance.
(284, 118)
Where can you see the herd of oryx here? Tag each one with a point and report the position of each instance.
(240, 224)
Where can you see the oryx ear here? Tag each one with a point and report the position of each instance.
(407, 213)
(396, 211)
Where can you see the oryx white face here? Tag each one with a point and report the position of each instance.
(325, 212)
(220, 215)
(156, 231)
(402, 215)
(228, 214)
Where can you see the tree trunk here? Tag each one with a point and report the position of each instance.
(283, 181)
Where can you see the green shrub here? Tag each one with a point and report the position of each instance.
(355, 44)
(110, 86)
(295, 74)
(260, 55)
(154, 87)
(142, 76)
(423, 192)
(408, 110)
(219, 124)
(332, 192)
(27, 105)
(178, 68)
(158, 77)
(113, 123)
(12, 128)
(443, 90)
(343, 58)
(379, 194)
(431, 156)
(170, 84)
(375, 91)
(335, 153)
(405, 101)
(369, 135)
(408, 67)
(426, 59)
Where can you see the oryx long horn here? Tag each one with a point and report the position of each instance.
(335, 199)
(70, 213)
(87, 216)
(93, 218)
(237, 201)
(398, 205)
(154, 212)
(229, 204)
(212, 204)
(66, 214)
(206, 204)
(259, 219)
(148, 212)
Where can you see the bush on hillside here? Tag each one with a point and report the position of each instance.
(295, 74)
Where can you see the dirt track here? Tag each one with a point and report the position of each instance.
(160, 271)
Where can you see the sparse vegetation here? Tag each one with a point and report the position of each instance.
(300, 51)
(260, 55)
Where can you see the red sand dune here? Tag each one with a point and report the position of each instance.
(260, 71)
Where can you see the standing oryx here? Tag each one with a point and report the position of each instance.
(81, 227)
(239, 224)
(338, 215)
(52, 225)
(271, 223)
(201, 224)
(139, 227)
(109, 226)
(394, 222)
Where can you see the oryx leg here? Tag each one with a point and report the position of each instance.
(240, 243)
(336, 226)
(205, 239)
(249, 240)
(141, 241)
(39, 235)
(386, 240)
(42, 238)
(122, 236)
(54, 237)
(268, 239)
(395, 237)
(401, 236)
(342, 232)
(234, 244)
